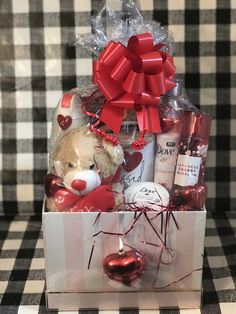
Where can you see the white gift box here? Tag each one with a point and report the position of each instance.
(68, 241)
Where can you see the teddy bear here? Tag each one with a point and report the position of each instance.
(84, 173)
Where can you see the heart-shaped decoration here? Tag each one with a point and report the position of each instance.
(52, 184)
(64, 122)
(190, 197)
(195, 195)
(124, 268)
(132, 161)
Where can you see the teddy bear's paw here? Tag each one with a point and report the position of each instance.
(119, 201)
(51, 205)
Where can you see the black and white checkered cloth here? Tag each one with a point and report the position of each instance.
(36, 66)
(22, 268)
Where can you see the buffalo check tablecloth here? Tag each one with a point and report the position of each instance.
(22, 274)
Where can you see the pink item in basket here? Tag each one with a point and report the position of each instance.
(189, 187)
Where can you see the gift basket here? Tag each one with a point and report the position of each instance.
(124, 214)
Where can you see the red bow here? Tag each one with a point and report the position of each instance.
(133, 77)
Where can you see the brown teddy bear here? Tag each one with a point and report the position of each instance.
(84, 172)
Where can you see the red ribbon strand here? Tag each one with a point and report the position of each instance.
(133, 77)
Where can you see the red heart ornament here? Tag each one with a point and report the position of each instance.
(190, 197)
(195, 195)
(131, 161)
(126, 267)
(64, 122)
(52, 184)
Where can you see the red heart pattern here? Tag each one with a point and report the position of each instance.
(132, 161)
(64, 122)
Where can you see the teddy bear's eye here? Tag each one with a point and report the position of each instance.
(70, 165)
(91, 167)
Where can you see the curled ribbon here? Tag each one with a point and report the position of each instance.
(133, 77)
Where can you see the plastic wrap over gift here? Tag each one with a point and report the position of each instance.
(109, 25)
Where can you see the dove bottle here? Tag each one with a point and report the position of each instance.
(172, 109)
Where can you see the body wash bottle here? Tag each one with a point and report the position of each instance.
(189, 191)
(172, 108)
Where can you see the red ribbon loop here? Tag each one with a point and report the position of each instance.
(121, 69)
(140, 44)
(133, 77)
(134, 82)
(152, 62)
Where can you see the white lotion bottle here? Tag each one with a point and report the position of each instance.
(165, 160)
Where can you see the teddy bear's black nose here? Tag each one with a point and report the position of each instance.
(78, 184)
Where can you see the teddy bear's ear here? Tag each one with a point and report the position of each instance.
(115, 151)
(58, 167)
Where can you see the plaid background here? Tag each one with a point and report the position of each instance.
(22, 269)
(36, 66)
